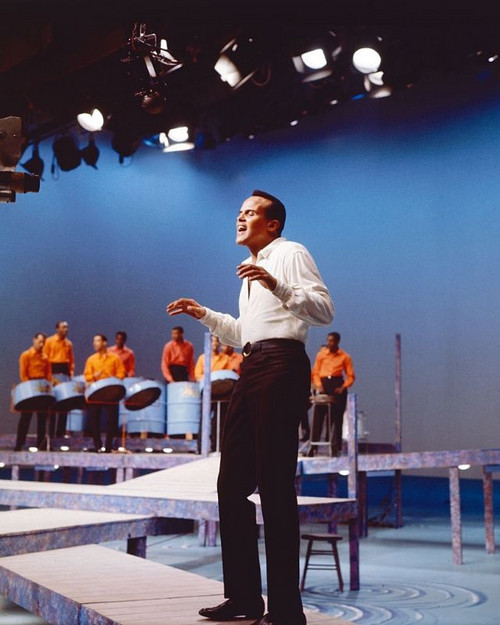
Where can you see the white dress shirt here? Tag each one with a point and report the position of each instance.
(299, 300)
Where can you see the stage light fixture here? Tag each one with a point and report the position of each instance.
(92, 122)
(375, 85)
(90, 153)
(152, 102)
(315, 59)
(238, 61)
(177, 139)
(366, 60)
(34, 165)
(66, 153)
(125, 143)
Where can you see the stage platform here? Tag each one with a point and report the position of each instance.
(186, 492)
(94, 585)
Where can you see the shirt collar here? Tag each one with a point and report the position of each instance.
(266, 251)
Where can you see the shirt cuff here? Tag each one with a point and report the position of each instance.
(282, 291)
(208, 318)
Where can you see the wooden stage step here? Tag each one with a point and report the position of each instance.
(94, 585)
(33, 529)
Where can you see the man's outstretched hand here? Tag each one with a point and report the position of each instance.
(186, 306)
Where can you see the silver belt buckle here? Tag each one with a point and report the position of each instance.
(247, 349)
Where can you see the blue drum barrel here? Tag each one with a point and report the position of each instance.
(183, 408)
(150, 419)
(77, 421)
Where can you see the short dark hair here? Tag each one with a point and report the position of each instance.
(275, 210)
(59, 323)
(180, 328)
(37, 334)
(103, 337)
(335, 335)
(123, 334)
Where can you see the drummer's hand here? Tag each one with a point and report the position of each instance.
(187, 306)
(256, 272)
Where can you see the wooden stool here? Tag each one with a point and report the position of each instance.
(329, 538)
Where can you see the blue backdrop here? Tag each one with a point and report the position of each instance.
(397, 199)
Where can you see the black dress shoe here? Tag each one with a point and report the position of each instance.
(231, 609)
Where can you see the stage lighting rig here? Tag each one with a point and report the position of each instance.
(12, 182)
(148, 63)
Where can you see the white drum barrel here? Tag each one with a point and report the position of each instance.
(183, 408)
(33, 395)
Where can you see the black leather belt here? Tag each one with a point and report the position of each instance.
(250, 348)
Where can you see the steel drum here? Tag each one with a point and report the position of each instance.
(141, 393)
(106, 391)
(33, 395)
(151, 419)
(69, 395)
(76, 421)
(183, 407)
(222, 383)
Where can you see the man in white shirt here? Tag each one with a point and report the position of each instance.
(282, 294)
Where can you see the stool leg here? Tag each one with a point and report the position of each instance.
(306, 564)
(337, 564)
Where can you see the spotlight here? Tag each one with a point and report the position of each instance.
(238, 61)
(35, 164)
(177, 139)
(375, 85)
(125, 144)
(315, 59)
(92, 122)
(366, 60)
(66, 153)
(90, 153)
(318, 61)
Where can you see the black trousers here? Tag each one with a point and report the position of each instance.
(259, 450)
(180, 373)
(60, 417)
(24, 425)
(94, 412)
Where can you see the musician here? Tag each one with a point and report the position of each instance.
(218, 361)
(59, 350)
(33, 365)
(100, 366)
(235, 358)
(330, 367)
(177, 360)
(282, 294)
(126, 355)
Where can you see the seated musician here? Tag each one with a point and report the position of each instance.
(330, 365)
